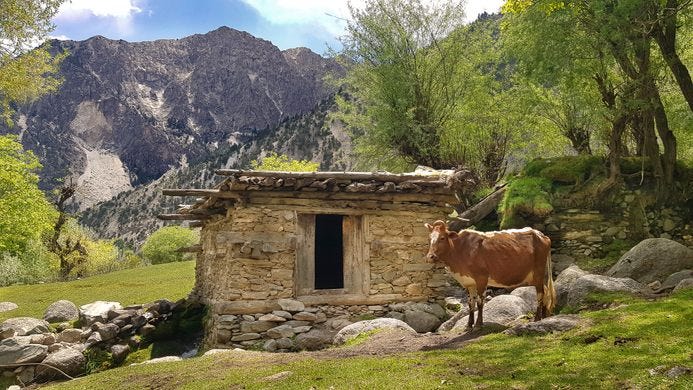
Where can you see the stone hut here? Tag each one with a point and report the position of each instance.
(326, 242)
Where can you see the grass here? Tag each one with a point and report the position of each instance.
(525, 197)
(133, 286)
(615, 351)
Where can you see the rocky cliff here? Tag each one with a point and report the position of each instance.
(127, 113)
(131, 215)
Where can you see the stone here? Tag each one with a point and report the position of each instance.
(68, 360)
(291, 305)
(401, 281)
(227, 319)
(60, 311)
(396, 315)
(246, 337)
(564, 282)
(612, 231)
(677, 371)
(452, 321)
(684, 284)
(302, 329)
(431, 308)
(22, 353)
(281, 331)
(256, 326)
(295, 323)
(561, 262)
(502, 310)
(557, 323)
(93, 338)
(583, 286)
(27, 375)
(164, 359)
(656, 285)
(668, 225)
(43, 338)
(528, 294)
(351, 331)
(106, 331)
(7, 306)
(283, 314)
(271, 317)
(421, 321)
(672, 280)
(314, 339)
(119, 352)
(305, 316)
(339, 323)
(146, 329)
(414, 289)
(22, 326)
(97, 311)
(653, 259)
(278, 376)
(223, 336)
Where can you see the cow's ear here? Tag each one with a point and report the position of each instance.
(452, 234)
(428, 225)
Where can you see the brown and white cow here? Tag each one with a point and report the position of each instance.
(508, 258)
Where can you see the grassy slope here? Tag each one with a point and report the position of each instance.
(658, 333)
(140, 285)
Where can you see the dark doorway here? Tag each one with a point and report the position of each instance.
(329, 252)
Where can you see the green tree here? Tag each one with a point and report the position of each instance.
(26, 74)
(164, 244)
(25, 213)
(280, 162)
(403, 79)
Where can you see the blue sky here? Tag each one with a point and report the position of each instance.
(286, 23)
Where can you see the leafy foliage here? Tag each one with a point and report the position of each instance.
(26, 213)
(26, 75)
(164, 244)
(280, 162)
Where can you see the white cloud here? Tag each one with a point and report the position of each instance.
(77, 9)
(475, 7)
(59, 37)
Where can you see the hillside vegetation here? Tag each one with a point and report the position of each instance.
(633, 344)
(170, 281)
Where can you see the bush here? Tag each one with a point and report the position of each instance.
(525, 197)
(164, 244)
(280, 162)
(35, 264)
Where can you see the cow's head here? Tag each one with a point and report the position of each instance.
(440, 241)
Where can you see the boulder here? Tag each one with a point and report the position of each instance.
(450, 323)
(283, 343)
(431, 308)
(70, 361)
(22, 326)
(106, 331)
(314, 339)
(119, 352)
(97, 311)
(18, 353)
(351, 331)
(281, 331)
(528, 294)
(291, 305)
(7, 306)
(684, 284)
(557, 323)
(653, 259)
(672, 280)
(561, 262)
(421, 321)
(502, 310)
(564, 283)
(60, 311)
(590, 283)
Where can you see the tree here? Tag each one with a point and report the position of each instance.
(403, 79)
(164, 245)
(25, 213)
(280, 162)
(26, 74)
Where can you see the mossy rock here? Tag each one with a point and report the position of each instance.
(566, 170)
(526, 198)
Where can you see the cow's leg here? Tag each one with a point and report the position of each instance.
(471, 302)
(481, 289)
(539, 314)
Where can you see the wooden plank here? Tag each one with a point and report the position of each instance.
(183, 217)
(346, 208)
(304, 269)
(356, 267)
(216, 193)
(380, 176)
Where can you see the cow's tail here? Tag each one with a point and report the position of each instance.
(549, 299)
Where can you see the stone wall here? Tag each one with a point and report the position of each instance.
(248, 261)
(632, 218)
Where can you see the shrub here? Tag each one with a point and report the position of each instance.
(164, 244)
(35, 264)
(280, 162)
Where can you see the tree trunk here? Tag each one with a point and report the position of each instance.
(664, 33)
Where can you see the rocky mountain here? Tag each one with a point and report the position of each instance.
(131, 215)
(127, 113)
